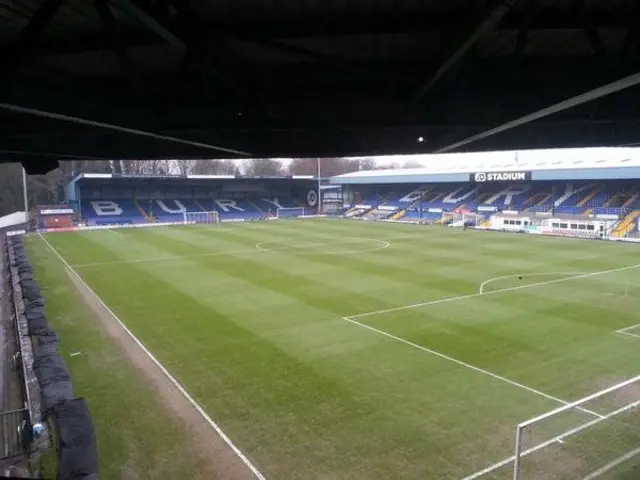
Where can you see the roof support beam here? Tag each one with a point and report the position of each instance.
(112, 30)
(210, 65)
(149, 22)
(488, 23)
(522, 40)
(631, 45)
(29, 35)
(590, 29)
(116, 128)
(627, 82)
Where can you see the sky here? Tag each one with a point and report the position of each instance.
(454, 159)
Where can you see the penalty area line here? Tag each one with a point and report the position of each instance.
(494, 292)
(502, 277)
(465, 364)
(170, 377)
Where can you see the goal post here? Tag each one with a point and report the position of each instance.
(595, 436)
(290, 212)
(459, 219)
(191, 218)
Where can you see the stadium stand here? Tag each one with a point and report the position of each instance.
(602, 194)
(107, 199)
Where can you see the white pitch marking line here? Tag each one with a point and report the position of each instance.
(613, 464)
(622, 330)
(228, 252)
(487, 282)
(493, 292)
(175, 382)
(464, 364)
(629, 334)
(559, 438)
(382, 244)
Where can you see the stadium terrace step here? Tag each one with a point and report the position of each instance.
(376, 214)
(200, 206)
(532, 200)
(350, 212)
(589, 196)
(626, 225)
(485, 222)
(612, 200)
(544, 200)
(255, 206)
(630, 201)
(145, 215)
(398, 215)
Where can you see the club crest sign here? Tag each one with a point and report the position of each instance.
(483, 177)
(312, 198)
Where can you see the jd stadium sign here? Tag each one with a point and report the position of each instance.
(483, 177)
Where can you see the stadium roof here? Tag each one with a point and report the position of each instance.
(500, 166)
(102, 176)
(109, 79)
(550, 169)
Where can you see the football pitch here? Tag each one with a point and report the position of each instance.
(341, 349)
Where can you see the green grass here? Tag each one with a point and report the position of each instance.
(137, 436)
(258, 338)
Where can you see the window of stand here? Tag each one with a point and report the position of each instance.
(513, 222)
(573, 226)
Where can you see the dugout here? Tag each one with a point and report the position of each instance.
(52, 217)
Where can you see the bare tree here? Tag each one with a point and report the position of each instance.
(227, 167)
(184, 167)
(411, 164)
(329, 167)
(264, 167)
(214, 167)
(367, 164)
(10, 188)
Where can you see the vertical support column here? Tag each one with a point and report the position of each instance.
(24, 194)
(518, 451)
(319, 212)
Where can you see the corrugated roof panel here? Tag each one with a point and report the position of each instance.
(498, 43)
(100, 63)
(507, 165)
(74, 17)
(13, 18)
(557, 43)
(613, 38)
(271, 10)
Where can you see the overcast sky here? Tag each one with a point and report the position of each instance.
(523, 155)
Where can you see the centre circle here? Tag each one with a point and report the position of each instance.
(346, 246)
